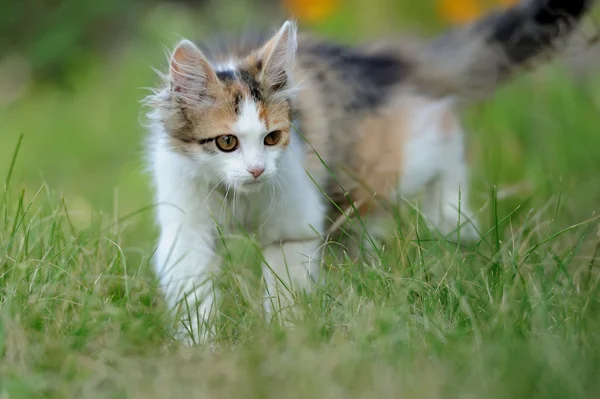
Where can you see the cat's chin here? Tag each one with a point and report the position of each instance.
(251, 186)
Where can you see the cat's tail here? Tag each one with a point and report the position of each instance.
(470, 61)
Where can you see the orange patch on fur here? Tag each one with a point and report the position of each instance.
(379, 158)
(275, 117)
(449, 124)
(262, 114)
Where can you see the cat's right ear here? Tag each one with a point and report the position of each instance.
(190, 72)
(278, 56)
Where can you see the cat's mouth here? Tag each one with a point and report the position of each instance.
(253, 184)
(250, 185)
(243, 186)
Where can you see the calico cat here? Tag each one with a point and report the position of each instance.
(268, 137)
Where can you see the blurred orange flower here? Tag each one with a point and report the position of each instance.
(453, 11)
(462, 11)
(508, 3)
(311, 10)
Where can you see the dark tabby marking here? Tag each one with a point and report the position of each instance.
(208, 149)
(236, 102)
(229, 76)
(252, 84)
(371, 76)
(530, 27)
(226, 76)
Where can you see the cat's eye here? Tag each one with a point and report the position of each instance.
(273, 138)
(227, 142)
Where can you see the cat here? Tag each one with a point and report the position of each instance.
(277, 137)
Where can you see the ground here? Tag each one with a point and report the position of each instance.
(515, 316)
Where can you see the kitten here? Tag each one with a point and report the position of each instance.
(251, 138)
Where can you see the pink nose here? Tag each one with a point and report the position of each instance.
(256, 172)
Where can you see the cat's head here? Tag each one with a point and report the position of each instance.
(232, 121)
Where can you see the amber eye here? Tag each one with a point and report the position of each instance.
(273, 138)
(227, 143)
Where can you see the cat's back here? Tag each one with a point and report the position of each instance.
(357, 80)
(360, 113)
(351, 106)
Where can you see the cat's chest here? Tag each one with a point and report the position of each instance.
(248, 214)
(275, 214)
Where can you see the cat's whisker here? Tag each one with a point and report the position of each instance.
(224, 206)
(235, 196)
(273, 185)
(213, 189)
(278, 183)
(269, 211)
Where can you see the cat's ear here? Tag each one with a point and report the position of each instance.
(190, 72)
(278, 55)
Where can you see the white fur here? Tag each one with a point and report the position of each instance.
(434, 160)
(252, 131)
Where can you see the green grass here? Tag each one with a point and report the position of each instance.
(516, 316)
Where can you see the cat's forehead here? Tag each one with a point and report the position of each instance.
(245, 96)
(250, 120)
(241, 83)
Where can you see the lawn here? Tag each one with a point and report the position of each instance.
(515, 316)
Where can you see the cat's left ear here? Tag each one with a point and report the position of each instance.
(278, 55)
(191, 74)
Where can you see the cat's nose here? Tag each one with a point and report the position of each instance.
(256, 172)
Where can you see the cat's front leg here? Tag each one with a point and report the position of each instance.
(293, 244)
(290, 269)
(446, 204)
(185, 264)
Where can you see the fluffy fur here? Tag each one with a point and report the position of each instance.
(251, 137)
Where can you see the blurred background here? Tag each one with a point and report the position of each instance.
(73, 72)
